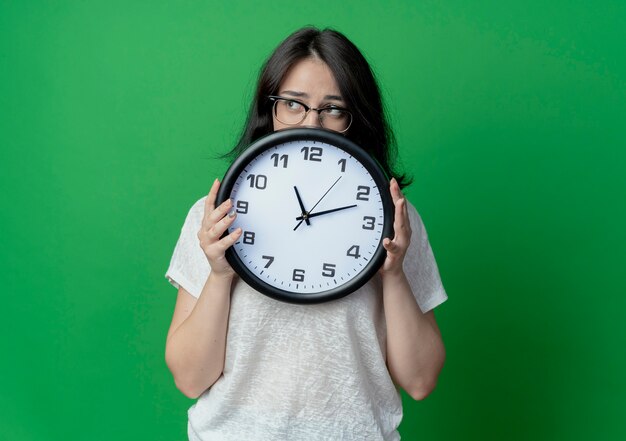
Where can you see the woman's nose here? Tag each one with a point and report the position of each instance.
(312, 119)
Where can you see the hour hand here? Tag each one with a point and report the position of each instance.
(319, 213)
(305, 215)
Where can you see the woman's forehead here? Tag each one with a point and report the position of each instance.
(310, 78)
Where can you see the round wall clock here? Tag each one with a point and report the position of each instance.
(314, 208)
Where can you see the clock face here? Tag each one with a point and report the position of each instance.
(314, 209)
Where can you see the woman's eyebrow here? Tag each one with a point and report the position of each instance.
(294, 93)
(333, 97)
(297, 94)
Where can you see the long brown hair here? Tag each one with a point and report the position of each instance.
(357, 85)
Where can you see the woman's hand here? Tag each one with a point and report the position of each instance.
(214, 223)
(396, 248)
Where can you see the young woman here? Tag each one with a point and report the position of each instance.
(268, 370)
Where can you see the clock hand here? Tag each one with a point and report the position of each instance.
(319, 213)
(331, 187)
(305, 215)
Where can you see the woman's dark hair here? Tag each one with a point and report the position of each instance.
(356, 82)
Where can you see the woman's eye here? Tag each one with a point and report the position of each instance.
(294, 106)
(334, 112)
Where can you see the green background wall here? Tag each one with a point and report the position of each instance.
(510, 115)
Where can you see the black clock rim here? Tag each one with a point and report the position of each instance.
(289, 135)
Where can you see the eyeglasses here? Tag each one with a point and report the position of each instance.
(291, 112)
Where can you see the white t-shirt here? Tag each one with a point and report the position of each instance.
(302, 372)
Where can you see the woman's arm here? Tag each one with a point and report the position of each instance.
(196, 340)
(415, 350)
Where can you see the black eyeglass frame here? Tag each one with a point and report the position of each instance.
(307, 109)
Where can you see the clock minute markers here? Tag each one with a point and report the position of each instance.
(271, 206)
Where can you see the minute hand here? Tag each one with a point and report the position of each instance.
(319, 213)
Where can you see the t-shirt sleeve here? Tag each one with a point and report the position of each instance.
(189, 266)
(420, 267)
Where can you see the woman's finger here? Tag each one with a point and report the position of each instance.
(395, 191)
(215, 251)
(209, 203)
(218, 228)
(401, 226)
(390, 245)
(217, 214)
(399, 219)
(228, 241)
